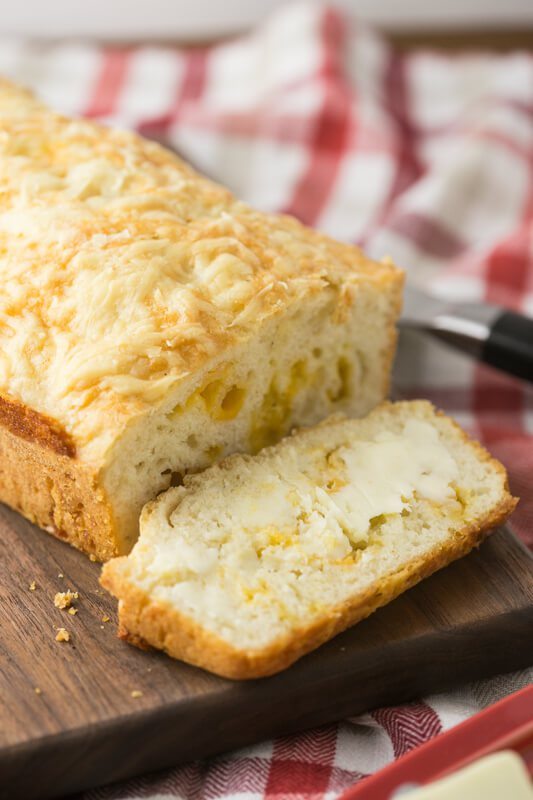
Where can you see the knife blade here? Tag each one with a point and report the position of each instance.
(489, 333)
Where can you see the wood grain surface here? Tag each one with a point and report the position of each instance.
(84, 727)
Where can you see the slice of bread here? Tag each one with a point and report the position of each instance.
(260, 559)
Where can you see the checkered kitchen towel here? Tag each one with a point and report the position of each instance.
(425, 157)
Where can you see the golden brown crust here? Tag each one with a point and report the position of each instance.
(58, 493)
(35, 427)
(144, 621)
(133, 639)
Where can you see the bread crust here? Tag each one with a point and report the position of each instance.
(57, 492)
(144, 622)
(23, 421)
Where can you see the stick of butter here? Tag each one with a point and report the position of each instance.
(500, 776)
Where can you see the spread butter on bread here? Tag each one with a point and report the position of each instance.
(259, 559)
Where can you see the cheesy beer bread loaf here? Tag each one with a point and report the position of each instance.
(150, 324)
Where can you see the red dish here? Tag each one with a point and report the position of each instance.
(507, 725)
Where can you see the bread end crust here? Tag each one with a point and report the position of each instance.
(58, 493)
(33, 426)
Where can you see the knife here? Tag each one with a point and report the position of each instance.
(490, 333)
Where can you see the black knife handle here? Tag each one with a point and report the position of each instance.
(510, 345)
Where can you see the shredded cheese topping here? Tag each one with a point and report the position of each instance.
(122, 270)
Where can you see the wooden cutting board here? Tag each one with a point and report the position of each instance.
(84, 728)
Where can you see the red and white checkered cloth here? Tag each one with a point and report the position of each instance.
(425, 157)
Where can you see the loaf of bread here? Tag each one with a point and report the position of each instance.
(150, 324)
(260, 559)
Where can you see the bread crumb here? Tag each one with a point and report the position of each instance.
(136, 693)
(105, 618)
(37, 690)
(92, 557)
(72, 611)
(64, 599)
(62, 635)
(32, 587)
(60, 575)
